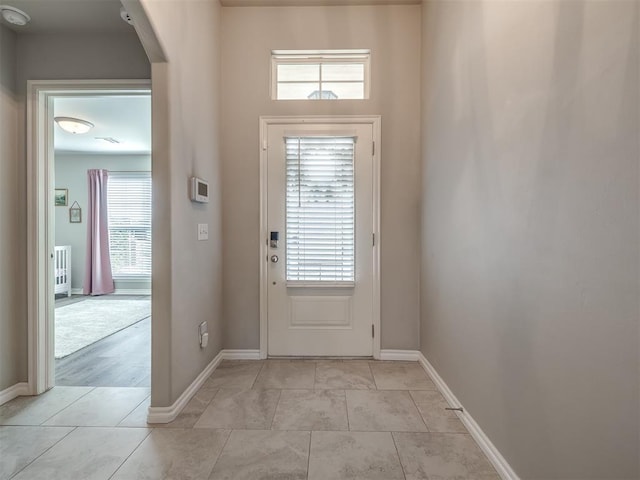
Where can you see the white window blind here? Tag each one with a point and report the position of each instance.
(320, 210)
(129, 216)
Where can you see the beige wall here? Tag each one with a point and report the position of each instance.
(393, 35)
(530, 227)
(40, 57)
(12, 306)
(187, 281)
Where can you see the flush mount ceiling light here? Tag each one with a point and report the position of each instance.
(14, 15)
(73, 125)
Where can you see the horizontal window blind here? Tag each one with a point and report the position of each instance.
(320, 210)
(129, 214)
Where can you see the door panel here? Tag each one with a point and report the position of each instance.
(320, 270)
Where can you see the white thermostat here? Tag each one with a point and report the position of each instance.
(199, 190)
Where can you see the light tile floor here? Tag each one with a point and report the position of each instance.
(273, 419)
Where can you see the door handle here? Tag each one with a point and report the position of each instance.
(274, 258)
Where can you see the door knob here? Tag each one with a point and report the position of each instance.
(274, 258)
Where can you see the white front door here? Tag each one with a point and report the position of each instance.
(320, 225)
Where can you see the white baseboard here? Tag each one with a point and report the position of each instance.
(118, 291)
(400, 355)
(168, 414)
(132, 291)
(241, 354)
(17, 390)
(495, 457)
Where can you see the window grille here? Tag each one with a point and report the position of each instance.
(320, 75)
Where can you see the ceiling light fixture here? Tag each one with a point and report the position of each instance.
(14, 15)
(73, 125)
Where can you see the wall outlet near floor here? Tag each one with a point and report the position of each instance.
(203, 334)
(203, 231)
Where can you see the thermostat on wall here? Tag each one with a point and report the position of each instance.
(199, 190)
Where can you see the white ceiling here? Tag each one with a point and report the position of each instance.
(55, 16)
(126, 118)
(313, 3)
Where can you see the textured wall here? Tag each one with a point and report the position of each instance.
(393, 35)
(188, 282)
(12, 297)
(530, 227)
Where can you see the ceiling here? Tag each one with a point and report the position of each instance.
(125, 118)
(55, 16)
(70, 16)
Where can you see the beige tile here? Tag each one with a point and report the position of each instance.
(351, 375)
(383, 411)
(19, 446)
(86, 453)
(35, 410)
(192, 412)
(400, 376)
(234, 374)
(175, 454)
(138, 417)
(432, 406)
(250, 409)
(254, 454)
(442, 456)
(311, 410)
(286, 374)
(102, 407)
(353, 456)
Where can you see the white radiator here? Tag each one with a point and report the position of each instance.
(62, 270)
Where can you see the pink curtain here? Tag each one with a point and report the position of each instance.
(98, 279)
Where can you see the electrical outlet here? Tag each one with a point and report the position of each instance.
(203, 231)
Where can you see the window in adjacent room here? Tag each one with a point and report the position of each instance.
(129, 212)
(320, 74)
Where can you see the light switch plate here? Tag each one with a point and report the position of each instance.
(203, 231)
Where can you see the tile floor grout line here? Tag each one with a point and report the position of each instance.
(226, 441)
(346, 407)
(73, 429)
(133, 409)
(275, 410)
(393, 439)
(64, 408)
(309, 452)
(151, 430)
(419, 412)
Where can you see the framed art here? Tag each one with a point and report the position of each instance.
(60, 197)
(75, 213)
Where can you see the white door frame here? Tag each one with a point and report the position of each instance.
(40, 234)
(265, 121)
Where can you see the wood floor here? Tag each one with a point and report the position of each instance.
(119, 360)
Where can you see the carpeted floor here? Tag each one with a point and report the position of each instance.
(85, 322)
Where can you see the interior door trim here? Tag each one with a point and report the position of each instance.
(340, 122)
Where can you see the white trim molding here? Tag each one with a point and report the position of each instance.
(495, 457)
(241, 354)
(400, 355)
(17, 390)
(40, 241)
(169, 414)
(375, 122)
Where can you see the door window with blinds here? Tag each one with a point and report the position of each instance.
(129, 218)
(320, 211)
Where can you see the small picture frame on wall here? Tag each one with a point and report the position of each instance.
(60, 197)
(75, 213)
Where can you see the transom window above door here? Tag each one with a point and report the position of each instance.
(320, 74)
